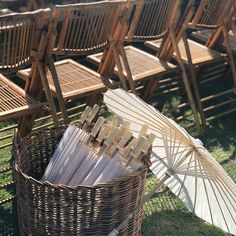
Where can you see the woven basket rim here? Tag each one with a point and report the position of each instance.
(18, 169)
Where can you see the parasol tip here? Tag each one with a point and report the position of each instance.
(199, 142)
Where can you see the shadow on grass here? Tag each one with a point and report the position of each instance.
(221, 131)
(177, 223)
(8, 220)
(220, 139)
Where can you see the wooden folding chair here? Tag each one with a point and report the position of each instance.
(18, 35)
(211, 14)
(204, 36)
(214, 38)
(151, 19)
(77, 29)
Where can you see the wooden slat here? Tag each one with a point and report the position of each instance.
(204, 35)
(219, 105)
(142, 64)
(4, 170)
(152, 19)
(6, 145)
(86, 27)
(13, 100)
(213, 96)
(211, 13)
(46, 119)
(16, 30)
(199, 53)
(4, 201)
(7, 185)
(75, 79)
(221, 114)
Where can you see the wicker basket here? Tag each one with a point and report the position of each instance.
(46, 209)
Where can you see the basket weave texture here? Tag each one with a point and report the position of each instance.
(47, 209)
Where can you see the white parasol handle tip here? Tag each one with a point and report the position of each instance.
(93, 113)
(85, 114)
(97, 126)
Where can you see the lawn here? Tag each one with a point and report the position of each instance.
(164, 214)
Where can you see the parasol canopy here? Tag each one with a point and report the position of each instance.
(181, 162)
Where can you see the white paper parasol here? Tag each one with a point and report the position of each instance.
(181, 162)
(63, 152)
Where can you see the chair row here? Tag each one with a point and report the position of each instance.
(102, 30)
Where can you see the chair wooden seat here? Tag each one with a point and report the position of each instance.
(23, 74)
(204, 35)
(14, 102)
(199, 53)
(75, 79)
(142, 64)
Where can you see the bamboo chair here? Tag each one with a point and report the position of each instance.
(211, 14)
(84, 29)
(17, 37)
(152, 19)
(205, 36)
(214, 38)
(134, 69)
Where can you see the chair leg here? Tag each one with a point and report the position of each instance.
(127, 69)
(34, 87)
(234, 28)
(186, 82)
(150, 89)
(230, 54)
(28, 81)
(194, 81)
(26, 122)
(48, 93)
(94, 99)
(58, 89)
(120, 69)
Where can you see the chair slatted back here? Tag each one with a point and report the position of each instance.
(86, 27)
(211, 13)
(152, 18)
(17, 36)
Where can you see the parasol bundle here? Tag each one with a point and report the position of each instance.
(181, 162)
(91, 154)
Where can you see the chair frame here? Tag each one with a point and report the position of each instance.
(128, 35)
(56, 41)
(220, 25)
(203, 19)
(29, 29)
(21, 35)
(20, 111)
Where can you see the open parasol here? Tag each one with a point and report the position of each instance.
(181, 162)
